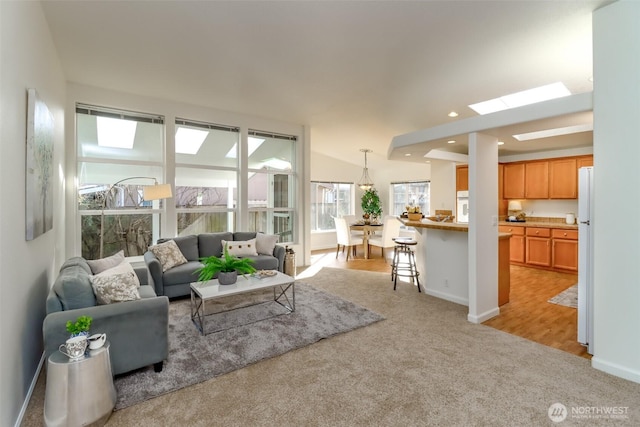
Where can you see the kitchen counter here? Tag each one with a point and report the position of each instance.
(540, 224)
(442, 257)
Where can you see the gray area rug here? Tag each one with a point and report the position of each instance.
(568, 297)
(248, 335)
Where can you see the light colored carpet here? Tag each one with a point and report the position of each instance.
(568, 297)
(424, 365)
(247, 334)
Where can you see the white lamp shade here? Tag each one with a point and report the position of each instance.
(515, 205)
(157, 191)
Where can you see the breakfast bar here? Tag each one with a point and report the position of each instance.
(442, 258)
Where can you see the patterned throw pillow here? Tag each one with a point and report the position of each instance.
(102, 264)
(266, 243)
(123, 267)
(240, 247)
(169, 255)
(115, 288)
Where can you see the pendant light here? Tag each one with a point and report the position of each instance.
(365, 182)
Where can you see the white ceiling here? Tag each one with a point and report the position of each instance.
(357, 73)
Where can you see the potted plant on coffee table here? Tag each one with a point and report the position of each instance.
(227, 267)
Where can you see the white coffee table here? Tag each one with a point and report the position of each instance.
(202, 292)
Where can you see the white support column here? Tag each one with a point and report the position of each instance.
(483, 228)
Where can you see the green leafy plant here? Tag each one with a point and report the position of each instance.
(227, 263)
(370, 203)
(82, 324)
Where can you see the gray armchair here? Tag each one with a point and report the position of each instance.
(137, 330)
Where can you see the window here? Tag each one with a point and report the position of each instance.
(271, 190)
(411, 193)
(206, 181)
(115, 146)
(328, 200)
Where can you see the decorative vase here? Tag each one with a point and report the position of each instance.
(227, 277)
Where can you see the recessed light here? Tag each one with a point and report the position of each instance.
(428, 161)
(500, 142)
(518, 99)
(451, 141)
(453, 114)
(407, 154)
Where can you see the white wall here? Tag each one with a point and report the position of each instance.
(443, 185)
(27, 268)
(616, 43)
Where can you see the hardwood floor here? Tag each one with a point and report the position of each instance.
(527, 314)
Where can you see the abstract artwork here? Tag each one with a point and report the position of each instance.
(39, 167)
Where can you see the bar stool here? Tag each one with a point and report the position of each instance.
(402, 267)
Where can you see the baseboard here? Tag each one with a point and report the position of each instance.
(483, 316)
(32, 387)
(615, 369)
(445, 296)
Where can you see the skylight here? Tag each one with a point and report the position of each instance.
(189, 141)
(116, 133)
(554, 132)
(254, 143)
(518, 99)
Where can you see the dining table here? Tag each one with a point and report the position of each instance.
(367, 230)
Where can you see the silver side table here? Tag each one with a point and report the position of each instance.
(79, 392)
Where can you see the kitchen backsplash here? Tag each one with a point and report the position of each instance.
(549, 208)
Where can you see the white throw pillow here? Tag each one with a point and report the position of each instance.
(240, 247)
(169, 254)
(115, 288)
(266, 243)
(102, 264)
(123, 267)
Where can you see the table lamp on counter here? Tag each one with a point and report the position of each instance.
(515, 211)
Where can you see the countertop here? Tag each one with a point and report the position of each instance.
(540, 224)
(455, 226)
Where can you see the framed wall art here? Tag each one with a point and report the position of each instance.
(39, 167)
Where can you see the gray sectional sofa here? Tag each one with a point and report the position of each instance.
(138, 331)
(175, 282)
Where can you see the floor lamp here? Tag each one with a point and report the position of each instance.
(149, 192)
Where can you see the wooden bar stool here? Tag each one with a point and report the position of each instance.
(404, 261)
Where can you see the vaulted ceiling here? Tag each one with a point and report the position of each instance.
(357, 73)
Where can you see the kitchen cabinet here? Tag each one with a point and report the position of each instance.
(536, 184)
(517, 243)
(513, 176)
(584, 161)
(565, 249)
(462, 178)
(502, 203)
(563, 178)
(538, 246)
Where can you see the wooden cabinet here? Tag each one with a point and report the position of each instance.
(502, 202)
(565, 249)
(563, 178)
(584, 161)
(513, 176)
(536, 184)
(504, 271)
(517, 243)
(462, 178)
(538, 246)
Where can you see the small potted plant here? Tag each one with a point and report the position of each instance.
(227, 268)
(371, 206)
(80, 326)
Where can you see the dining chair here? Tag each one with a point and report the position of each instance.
(390, 229)
(352, 219)
(345, 238)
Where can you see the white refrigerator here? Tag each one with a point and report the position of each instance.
(585, 257)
